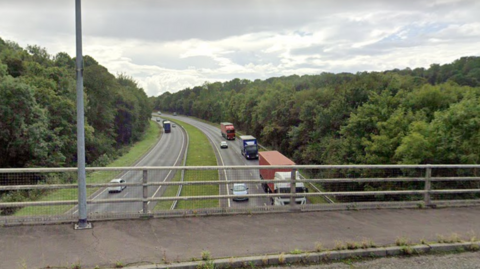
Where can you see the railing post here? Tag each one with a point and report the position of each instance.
(428, 176)
(145, 191)
(292, 188)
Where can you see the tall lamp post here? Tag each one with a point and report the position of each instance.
(82, 187)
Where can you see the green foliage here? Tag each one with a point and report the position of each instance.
(24, 132)
(398, 116)
(406, 116)
(38, 109)
(38, 113)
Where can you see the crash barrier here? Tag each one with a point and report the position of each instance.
(47, 195)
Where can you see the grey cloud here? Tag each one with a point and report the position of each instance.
(171, 25)
(244, 57)
(315, 50)
(171, 61)
(346, 28)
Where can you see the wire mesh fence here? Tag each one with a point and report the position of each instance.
(41, 195)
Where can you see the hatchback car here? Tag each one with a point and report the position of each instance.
(223, 144)
(117, 188)
(240, 189)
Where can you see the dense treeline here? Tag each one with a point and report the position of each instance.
(405, 116)
(38, 109)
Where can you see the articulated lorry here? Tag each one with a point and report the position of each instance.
(228, 130)
(248, 146)
(167, 126)
(267, 158)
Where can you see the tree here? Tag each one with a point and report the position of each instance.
(23, 127)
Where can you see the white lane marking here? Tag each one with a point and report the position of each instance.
(223, 164)
(125, 194)
(257, 187)
(174, 164)
(95, 197)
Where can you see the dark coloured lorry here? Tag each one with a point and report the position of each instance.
(167, 126)
(248, 146)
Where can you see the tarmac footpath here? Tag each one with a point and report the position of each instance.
(144, 243)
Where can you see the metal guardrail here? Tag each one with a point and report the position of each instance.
(326, 197)
(349, 186)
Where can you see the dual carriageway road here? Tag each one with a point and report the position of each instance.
(170, 151)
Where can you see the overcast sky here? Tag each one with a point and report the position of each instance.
(171, 45)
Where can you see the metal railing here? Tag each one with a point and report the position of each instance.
(50, 194)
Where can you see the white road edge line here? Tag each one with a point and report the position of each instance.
(221, 159)
(174, 164)
(224, 171)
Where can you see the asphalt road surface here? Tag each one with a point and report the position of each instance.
(168, 151)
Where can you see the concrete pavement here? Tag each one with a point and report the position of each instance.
(136, 242)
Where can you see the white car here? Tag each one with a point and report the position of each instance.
(117, 188)
(223, 144)
(240, 189)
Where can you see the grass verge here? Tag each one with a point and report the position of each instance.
(137, 151)
(200, 153)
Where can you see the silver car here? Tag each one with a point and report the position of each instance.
(240, 189)
(223, 144)
(117, 188)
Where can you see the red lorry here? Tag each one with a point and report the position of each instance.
(267, 158)
(272, 158)
(228, 131)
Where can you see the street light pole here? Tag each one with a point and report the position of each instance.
(82, 187)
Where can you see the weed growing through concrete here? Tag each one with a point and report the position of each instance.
(352, 245)
(407, 250)
(281, 258)
(368, 243)
(119, 265)
(230, 262)
(472, 235)
(76, 266)
(441, 238)
(206, 255)
(265, 260)
(318, 247)
(402, 241)
(296, 251)
(455, 238)
(339, 245)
